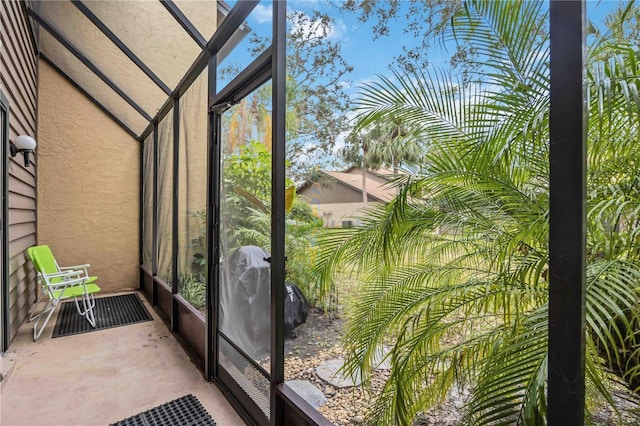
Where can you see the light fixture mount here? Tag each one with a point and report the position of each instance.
(24, 144)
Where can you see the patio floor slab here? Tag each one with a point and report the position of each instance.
(101, 377)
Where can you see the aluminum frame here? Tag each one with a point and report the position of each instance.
(257, 73)
(223, 34)
(88, 63)
(278, 209)
(185, 23)
(174, 220)
(567, 214)
(141, 213)
(213, 182)
(154, 212)
(97, 103)
(4, 206)
(250, 79)
(121, 45)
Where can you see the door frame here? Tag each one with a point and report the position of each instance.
(248, 80)
(4, 261)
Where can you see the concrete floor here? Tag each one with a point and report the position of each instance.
(101, 377)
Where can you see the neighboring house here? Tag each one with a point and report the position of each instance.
(338, 198)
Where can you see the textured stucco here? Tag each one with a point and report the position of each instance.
(88, 185)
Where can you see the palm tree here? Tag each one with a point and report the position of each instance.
(455, 267)
(358, 152)
(397, 146)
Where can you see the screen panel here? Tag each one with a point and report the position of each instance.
(152, 34)
(192, 194)
(91, 83)
(165, 198)
(91, 42)
(246, 44)
(147, 203)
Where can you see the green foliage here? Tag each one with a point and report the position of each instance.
(246, 193)
(303, 213)
(199, 244)
(247, 220)
(193, 288)
(455, 268)
(249, 169)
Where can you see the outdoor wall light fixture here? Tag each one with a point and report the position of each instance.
(24, 144)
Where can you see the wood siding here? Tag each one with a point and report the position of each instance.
(18, 82)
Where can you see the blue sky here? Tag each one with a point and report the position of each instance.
(370, 57)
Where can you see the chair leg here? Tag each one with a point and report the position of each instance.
(89, 310)
(36, 333)
(35, 308)
(88, 303)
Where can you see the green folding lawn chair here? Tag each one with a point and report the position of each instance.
(59, 283)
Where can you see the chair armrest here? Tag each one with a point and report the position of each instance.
(68, 283)
(62, 274)
(86, 265)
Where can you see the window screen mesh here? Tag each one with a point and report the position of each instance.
(245, 225)
(203, 14)
(252, 381)
(239, 51)
(149, 30)
(95, 87)
(165, 197)
(147, 203)
(92, 43)
(192, 193)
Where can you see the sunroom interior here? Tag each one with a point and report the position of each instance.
(126, 102)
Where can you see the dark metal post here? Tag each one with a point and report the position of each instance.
(567, 221)
(174, 219)
(141, 213)
(278, 73)
(102, 108)
(121, 45)
(154, 249)
(4, 287)
(88, 63)
(213, 173)
(184, 22)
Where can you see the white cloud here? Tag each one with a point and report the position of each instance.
(339, 30)
(262, 13)
(340, 143)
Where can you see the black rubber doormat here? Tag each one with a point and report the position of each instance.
(110, 311)
(184, 411)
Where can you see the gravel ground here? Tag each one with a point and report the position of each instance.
(319, 340)
(344, 406)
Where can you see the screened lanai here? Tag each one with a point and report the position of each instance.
(154, 69)
(169, 75)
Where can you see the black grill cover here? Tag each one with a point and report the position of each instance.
(245, 302)
(295, 308)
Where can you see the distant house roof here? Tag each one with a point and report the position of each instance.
(382, 172)
(376, 189)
